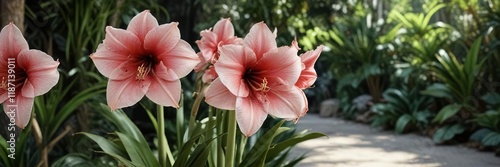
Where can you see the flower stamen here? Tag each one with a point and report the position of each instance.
(263, 86)
(143, 70)
(3, 85)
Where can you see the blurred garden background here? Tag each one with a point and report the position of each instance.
(410, 66)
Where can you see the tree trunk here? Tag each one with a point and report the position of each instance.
(12, 11)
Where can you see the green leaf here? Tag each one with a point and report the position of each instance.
(199, 156)
(278, 148)
(447, 132)
(447, 112)
(125, 161)
(257, 154)
(437, 90)
(137, 152)
(402, 122)
(106, 145)
(73, 104)
(4, 153)
(124, 124)
(73, 159)
(480, 134)
(491, 98)
(492, 139)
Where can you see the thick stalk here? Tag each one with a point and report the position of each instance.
(163, 148)
(194, 110)
(231, 138)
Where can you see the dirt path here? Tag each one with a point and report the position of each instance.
(352, 144)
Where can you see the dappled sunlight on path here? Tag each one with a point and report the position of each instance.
(353, 144)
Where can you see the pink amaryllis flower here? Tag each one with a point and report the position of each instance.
(25, 74)
(257, 79)
(209, 44)
(147, 59)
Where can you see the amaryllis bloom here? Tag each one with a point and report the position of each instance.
(257, 79)
(210, 42)
(25, 74)
(308, 75)
(147, 59)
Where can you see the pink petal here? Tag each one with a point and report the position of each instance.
(250, 114)
(202, 64)
(12, 41)
(282, 63)
(218, 95)
(124, 93)
(181, 59)
(308, 75)
(208, 44)
(232, 66)
(122, 42)
(162, 72)
(3, 95)
(162, 39)
(210, 75)
(224, 29)
(142, 23)
(165, 93)
(127, 69)
(41, 70)
(108, 62)
(20, 110)
(260, 39)
(286, 104)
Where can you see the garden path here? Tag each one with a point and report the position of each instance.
(351, 144)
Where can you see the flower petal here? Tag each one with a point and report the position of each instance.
(142, 23)
(281, 63)
(41, 70)
(210, 75)
(308, 74)
(124, 93)
(12, 41)
(208, 44)
(250, 114)
(108, 62)
(162, 72)
(122, 42)
(162, 39)
(181, 59)
(260, 39)
(224, 29)
(20, 110)
(286, 104)
(218, 95)
(165, 93)
(232, 66)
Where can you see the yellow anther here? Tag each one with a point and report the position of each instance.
(142, 71)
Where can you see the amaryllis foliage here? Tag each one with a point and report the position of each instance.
(25, 73)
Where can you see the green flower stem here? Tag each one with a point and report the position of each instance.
(220, 117)
(243, 142)
(231, 138)
(163, 148)
(194, 110)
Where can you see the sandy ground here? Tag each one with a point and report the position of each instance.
(351, 144)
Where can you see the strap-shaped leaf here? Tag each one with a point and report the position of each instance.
(447, 112)
(256, 155)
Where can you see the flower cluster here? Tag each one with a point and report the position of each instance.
(253, 76)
